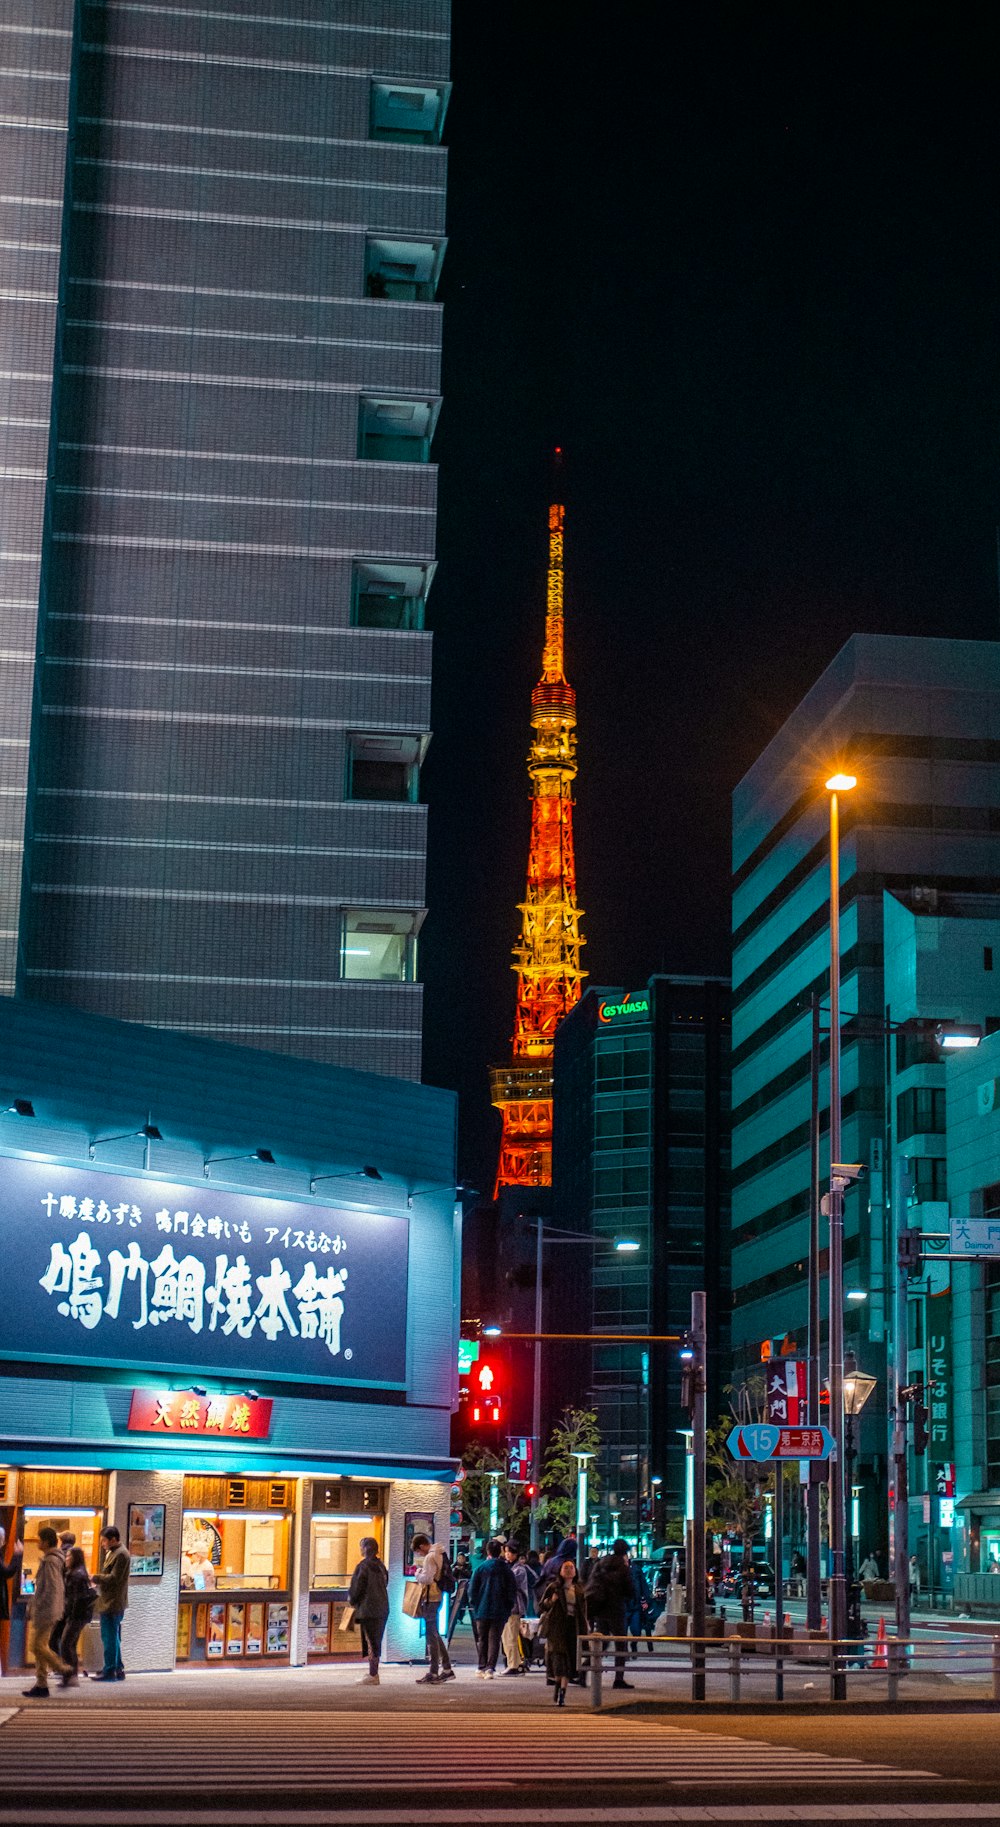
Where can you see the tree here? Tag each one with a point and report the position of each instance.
(577, 1432)
(479, 1461)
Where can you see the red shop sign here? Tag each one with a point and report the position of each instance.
(177, 1411)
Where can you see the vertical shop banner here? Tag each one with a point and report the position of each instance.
(119, 1270)
(786, 1391)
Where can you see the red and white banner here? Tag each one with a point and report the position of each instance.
(786, 1391)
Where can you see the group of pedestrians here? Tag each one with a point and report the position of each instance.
(507, 1589)
(64, 1601)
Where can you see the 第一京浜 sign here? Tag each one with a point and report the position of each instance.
(762, 1440)
(120, 1270)
(180, 1411)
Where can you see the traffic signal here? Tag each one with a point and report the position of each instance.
(920, 1435)
(531, 1492)
(687, 1359)
(486, 1394)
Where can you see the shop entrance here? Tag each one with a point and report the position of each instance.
(235, 1578)
(71, 1503)
(343, 1513)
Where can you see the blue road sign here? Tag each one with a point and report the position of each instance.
(763, 1440)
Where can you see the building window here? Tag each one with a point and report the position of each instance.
(389, 596)
(405, 272)
(383, 768)
(396, 431)
(929, 1177)
(987, 957)
(409, 113)
(920, 1111)
(234, 1551)
(378, 947)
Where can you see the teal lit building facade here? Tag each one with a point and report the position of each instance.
(918, 721)
(230, 1328)
(641, 1152)
(973, 1158)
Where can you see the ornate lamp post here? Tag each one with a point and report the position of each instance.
(857, 1389)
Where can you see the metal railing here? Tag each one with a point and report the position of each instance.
(731, 1658)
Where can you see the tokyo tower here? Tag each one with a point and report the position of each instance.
(547, 955)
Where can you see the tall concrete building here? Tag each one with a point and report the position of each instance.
(219, 243)
(641, 1157)
(918, 721)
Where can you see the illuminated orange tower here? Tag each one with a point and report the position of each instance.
(547, 955)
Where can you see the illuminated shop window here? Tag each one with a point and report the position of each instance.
(234, 1551)
(378, 946)
(410, 113)
(85, 1524)
(335, 1548)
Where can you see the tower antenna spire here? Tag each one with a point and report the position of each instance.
(547, 954)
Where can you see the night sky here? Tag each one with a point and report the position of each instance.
(748, 279)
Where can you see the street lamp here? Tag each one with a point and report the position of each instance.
(857, 1389)
(582, 1462)
(837, 784)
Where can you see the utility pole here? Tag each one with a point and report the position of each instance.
(814, 1598)
(536, 1389)
(837, 1584)
(699, 1339)
(900, 1378)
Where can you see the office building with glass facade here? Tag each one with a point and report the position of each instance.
(918, 723)
(219, 244)
(641, 1156)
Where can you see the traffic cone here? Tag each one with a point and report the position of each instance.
(880, 1659)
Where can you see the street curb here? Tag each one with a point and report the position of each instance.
(775, 1709)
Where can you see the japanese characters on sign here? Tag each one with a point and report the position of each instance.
(120, 1269)
(173, 1411)
(786, 1391)
(939, 1378)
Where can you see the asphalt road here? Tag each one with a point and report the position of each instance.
(99, 1760)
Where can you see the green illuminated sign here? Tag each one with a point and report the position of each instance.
(468, 1352)
(631, 1008)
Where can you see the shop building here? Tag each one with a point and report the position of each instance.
(230, 1327)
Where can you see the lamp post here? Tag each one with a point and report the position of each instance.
(837, 783)
(857, 1389)
(582, 1462)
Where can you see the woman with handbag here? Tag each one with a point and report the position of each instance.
(564, 1622)
(369, 1600)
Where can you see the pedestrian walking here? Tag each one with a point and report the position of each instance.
(433, 1570)
(914, 1579)
(80, 1598)
(492, 1598)
(67, 1540)
(640, 1612)
(47, 1605)
(564, 1621)
(369, 1595)
(510, 1638)
(112, 1601)
(609, 1595)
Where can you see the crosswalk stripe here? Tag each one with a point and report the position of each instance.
(774, 1814)
(275, 1751)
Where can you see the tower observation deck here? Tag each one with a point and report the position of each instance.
(547, 954)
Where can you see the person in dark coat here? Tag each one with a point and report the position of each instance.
(369, 1595)
(610, 1594)
(641, 1612)
(81, 1597)
(9, 1571)
(564, 1621)
(492, 1598)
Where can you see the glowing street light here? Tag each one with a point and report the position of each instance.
(837, 783)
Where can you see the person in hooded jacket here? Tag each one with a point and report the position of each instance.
(492, 1598)
(610, 1595)
(564, 1621)
(369, 1595)
(428, 1559)
(566, 1551)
